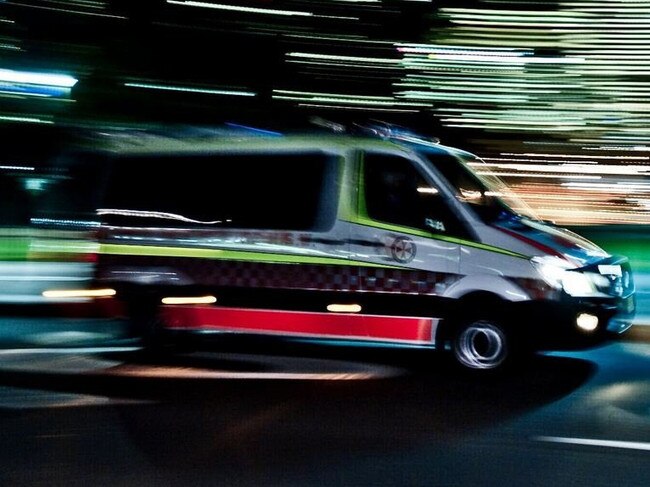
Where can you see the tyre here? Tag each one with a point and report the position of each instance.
(147, 325)
(482, 345)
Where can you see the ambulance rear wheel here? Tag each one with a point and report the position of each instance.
(481, 345)
(147, 325)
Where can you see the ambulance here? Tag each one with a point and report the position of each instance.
(376, 238)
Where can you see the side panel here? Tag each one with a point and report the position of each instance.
(419, 265)
(506, 274)
(235, 258)
(285, 276)
(416, 331)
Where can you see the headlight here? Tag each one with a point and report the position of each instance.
(578, 284)
(561, 275)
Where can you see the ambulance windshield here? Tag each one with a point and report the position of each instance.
(476, 185)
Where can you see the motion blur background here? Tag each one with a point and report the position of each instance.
(554, 95)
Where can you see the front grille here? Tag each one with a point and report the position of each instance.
(618, 277)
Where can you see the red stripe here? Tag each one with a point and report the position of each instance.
(540, 246)
(399, 328)
(325, 325)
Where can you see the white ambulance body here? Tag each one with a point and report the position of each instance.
(344, 239)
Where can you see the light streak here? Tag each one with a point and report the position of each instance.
(18, 168)
(339, 98)
(627, 445)
(256, 10)
(373, 109)
(79, 293)
(536, 175)
(155, 214)
(34, 78)
(610, 187)
(238, 8)
(8, 118)
(578, 156)
(190, 89)
(68, 11)
(343, 58)
(575, 168)
(189, 300)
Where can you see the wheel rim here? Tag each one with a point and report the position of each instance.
(481, 345)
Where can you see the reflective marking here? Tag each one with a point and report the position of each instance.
(298, 323)
(79, 293)
(629, 445)
(190, 300)
(344, 308)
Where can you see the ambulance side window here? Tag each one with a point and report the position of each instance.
(267, 191)
(395, 192)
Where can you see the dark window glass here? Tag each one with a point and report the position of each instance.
(283, 191)
(73, 190)
(52, 193)
(395, 192)
(470, 188)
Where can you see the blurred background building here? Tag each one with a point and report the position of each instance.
(554, 95)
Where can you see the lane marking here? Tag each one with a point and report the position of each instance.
(629, 445)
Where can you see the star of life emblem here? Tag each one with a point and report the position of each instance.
(403, 250)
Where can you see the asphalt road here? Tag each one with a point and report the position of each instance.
(99, 413)
(110, 416)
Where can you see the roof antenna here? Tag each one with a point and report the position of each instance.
(333, 126)
(387, 130)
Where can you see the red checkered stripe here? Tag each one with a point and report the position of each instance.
(401, 280)
(247, 274)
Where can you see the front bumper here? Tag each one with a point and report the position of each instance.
(554, 324)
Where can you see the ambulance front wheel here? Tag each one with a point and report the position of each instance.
(481, 345)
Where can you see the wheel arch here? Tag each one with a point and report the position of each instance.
(475, 303)
(495, 285)
(483, 314)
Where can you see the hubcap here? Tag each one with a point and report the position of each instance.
(481, 345)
